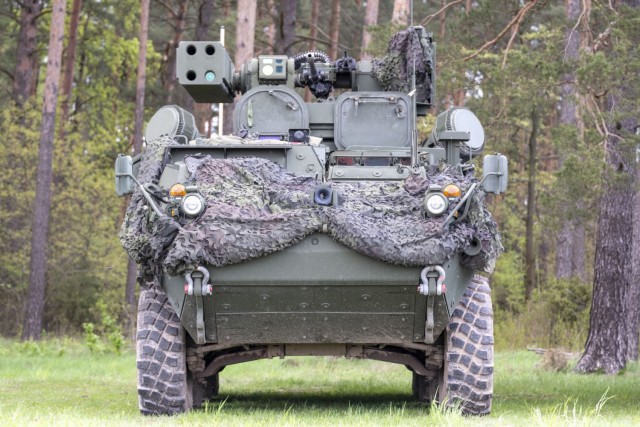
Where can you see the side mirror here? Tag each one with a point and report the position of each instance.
(124, 175)
(495, 171)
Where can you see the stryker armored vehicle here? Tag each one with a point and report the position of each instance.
(316, 228)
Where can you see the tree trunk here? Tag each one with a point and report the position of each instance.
(633, 301)
(245, 31)
(202, 111)
(179, 19)
(608, 340)
(370, 19)
(633, 298)
(570, 239)
(226, 8)
(530, 255)
(67, 81)
(42, 203)
(400, 14)
(25, 76)
(613, 326)
(313, 31)
(578, 259)
(334, 29)
(607, 343)
(285, 22)
(270, 10)
(138, 124)
(443, 20)
(141, 77)
(245, 38)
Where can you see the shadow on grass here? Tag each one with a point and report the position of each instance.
(330, 401)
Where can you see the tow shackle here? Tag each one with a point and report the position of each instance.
(204, 287)
(439, 289)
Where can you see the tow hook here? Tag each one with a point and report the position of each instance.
(439, 289)
(199, 289)
(432, 291)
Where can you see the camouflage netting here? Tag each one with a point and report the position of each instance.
(254, 207)
(408, 50)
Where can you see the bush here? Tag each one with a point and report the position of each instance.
(557, 317)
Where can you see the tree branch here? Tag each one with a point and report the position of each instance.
(601, 39)
(11, 16)
(7, 72)
(516, 20)
(428, 19)
(307, 38)
(514, 32)
(575, 27)
(169, 8)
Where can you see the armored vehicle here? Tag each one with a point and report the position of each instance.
(316, 228)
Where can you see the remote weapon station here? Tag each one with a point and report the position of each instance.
(316, 228)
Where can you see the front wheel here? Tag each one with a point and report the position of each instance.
(165, 385)
(466, 379)
(469, 351)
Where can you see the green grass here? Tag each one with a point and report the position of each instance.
(62, 383)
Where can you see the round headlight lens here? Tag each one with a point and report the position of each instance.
(436, 204)
(192, 205)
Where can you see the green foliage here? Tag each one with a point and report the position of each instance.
(558, 316)
(46, 347)
(566, 306)
(508, 285)
(86, 263)
(110, 326)
(92, 341)
(109, 330)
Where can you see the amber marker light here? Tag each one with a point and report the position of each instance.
(452, 190)
(178, 190)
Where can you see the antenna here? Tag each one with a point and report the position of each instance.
(411, 14)
(221, 105)
(414, 136)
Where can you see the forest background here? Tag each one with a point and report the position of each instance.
(555, 84)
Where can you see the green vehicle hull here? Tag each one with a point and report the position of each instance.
(316, 292)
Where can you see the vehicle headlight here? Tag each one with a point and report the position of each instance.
(436, 204)
(192, 205)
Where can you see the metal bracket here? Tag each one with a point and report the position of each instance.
(431, 287)
(430, 324)
(288, 103)
(198, 286)
(427, 287)
(145, 193)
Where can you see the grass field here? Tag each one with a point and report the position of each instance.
(62, 383)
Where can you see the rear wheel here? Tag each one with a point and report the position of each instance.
(165, 385)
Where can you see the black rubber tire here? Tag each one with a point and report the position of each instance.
(469, 352)
(165, 386)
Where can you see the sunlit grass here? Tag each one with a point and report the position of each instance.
(62, 383)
